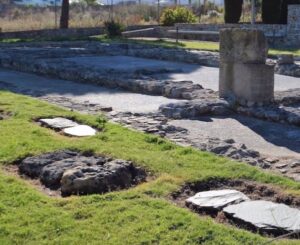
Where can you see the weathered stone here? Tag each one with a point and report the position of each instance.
(51, 174)
(216, 200)
(244, 74)
(78, 174)
(266, 216)
(253, 82)
(243, 46)
(286, 59)
(288, 69)
(32, 166)
(111, 176)
(196, 108)
(80, 131)
(58, 122)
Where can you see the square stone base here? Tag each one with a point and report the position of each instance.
(247, 82)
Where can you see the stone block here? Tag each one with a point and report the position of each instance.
(251, 82)
(243, 46)
(226, 77)
(286, 59)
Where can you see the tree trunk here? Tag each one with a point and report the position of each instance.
(271, 10)
(64, 18)
(233, 11)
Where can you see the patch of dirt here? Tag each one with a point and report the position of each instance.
(35, 183)
(254, 190)
(4, 114)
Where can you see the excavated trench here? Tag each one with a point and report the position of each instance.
(258, 194)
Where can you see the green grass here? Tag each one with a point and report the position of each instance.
(196, 45)
(141, 215)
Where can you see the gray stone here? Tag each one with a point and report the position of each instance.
(111, 176)
(253, 82)
(266, 216)
(74, 173)
(243, 46)
(244, 74)
(80, 131)
(216, 200)
(32, 166)
(51, 174)
(58, 122)
(286, 59)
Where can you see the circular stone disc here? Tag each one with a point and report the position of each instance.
(80, 131)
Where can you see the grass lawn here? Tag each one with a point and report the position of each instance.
(141, 215)
(197, 45)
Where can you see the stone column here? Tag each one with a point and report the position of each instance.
(244, 74)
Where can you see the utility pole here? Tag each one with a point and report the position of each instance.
(253, 12)
(55, 13)
(158, 10)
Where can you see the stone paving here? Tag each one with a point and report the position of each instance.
(251, 145)
(130, 82)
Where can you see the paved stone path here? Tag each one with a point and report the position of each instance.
(208, 77)
(119, 100)
(267, 138)
(271, 139)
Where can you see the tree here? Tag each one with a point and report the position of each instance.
(233, 11)
(64, 18)
(271, 10)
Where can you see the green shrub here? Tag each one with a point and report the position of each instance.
(233, 11)
(113, 29)
(171, 16)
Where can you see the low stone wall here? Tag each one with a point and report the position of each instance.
(269, 30)
(54, 33)
(277, 34)
(63, 33)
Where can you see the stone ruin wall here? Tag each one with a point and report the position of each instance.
(276, 34)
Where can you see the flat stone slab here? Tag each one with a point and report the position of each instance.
(216, 200)
(266, 216)
(80, 131)
(58, 122)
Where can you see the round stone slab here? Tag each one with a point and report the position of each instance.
(216, 199)
(80, 131)
(266, 216)
(58, 122)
